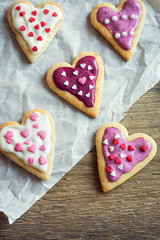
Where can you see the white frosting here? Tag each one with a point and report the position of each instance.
(44, 125)
(117, 35)
(50, 21)
(124, 17)
(106, 21)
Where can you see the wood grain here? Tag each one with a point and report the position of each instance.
(76, 208)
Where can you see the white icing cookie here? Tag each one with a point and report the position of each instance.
(35, 27)
(30, 144)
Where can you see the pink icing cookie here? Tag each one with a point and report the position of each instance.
(120, 26)
(121, 156)
(35, 27)
(80, 83)
(30, 147)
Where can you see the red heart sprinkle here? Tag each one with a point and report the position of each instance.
(9, 140)
(123, 146)
(35, 49)
(47, 30)
(32, 19)
(118, 160)
(130, 158)
(18, 8)
(131, 148)
(43, 24)
(40, 38)
(37, 27)
(54, 14)
(46, 11)
(143, 148)
(34, 13)
(112, 156)
(22, 14)
(22, 28)
(116, 141)
(31, 34)
(108, 168)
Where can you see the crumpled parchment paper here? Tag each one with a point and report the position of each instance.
(23, 87)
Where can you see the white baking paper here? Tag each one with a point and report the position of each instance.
(23, 87)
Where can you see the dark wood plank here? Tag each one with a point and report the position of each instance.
(76, 208)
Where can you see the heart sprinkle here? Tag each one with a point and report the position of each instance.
(31, 160)
(42, 134)
(35, 49)
(32, 148)
(31, 34)
(34, 116)
(63, 74)
(18, 147)
(123, 146)
(143, 148)
(22, 14)
(116, 141)
(34, 13)
(111, 148)
(27, 142)
(9, 141)
(43, 160)
(112, 156)
(80, 93)
(66, 83)
(25, 133)
(82, 80)
(131, 148)
(36, 125)
(40, 38)
(82, 65)
(43, 24)
(105, 141)
(46, 11)
(118, 160)
(47, 30)
(108, 168)
(74, 87)
(18, 8)
(91, 77)
(42, 148)
(129, 158)
(37, 27)
(54, 14)
(75, 73)
(22, 28)
(9, 134)
(32, 19)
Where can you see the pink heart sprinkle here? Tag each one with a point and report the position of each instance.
(25, 133)
(34, 116)
(42, 134)
(31, 160)
(82, 80)
(42, 148)
(36, 125)
(9, 134)
(18, 147)
(32, 148)
(9, 141)
(43, 160)
(27, 142)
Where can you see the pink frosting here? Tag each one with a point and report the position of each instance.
(120, 154)
(133, 12)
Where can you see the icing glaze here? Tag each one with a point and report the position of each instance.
(78, 80)
(36, 146)
(122, 157)
(122, 24)
(35, 25)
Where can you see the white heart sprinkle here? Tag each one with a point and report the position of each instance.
(74, 86)
(132, 16)
(120, 167)
(117, 136)
(75, 73)
(124, 17)
(91, 77)
(88, 95)
(63, 73)
(131, 33)
(111, 148)
(122, 155)
(106, 21)
(105, 141)
(66, 83)
(117, 35)
(80, 93)
(89, 67)
(82, 65)
(124, 34)
(113, 173)
(114, 18)
(91, 86)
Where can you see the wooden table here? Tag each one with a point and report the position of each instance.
(76, 208)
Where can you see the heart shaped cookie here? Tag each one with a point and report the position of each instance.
(120, 26)
(31, 143)
(80, 83)
(35, 27)
(121, 156)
